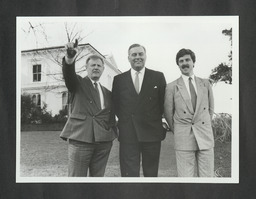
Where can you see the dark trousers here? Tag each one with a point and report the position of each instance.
(132, 153)
(84, 156)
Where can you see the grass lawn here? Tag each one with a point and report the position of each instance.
(44, 154)
(222, 159)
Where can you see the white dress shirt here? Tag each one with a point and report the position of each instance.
(140, 75)
(186, 81)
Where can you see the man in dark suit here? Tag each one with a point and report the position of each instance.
(89, 128)
(138, 98)
(188, 110)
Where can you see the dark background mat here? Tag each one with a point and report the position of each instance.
(246, 10)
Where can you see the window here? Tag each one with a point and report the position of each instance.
(64, 100)
(36, 99)
(37, 73)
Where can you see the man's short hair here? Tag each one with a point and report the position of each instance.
(94, 57)
(183, 52)
(134, 46)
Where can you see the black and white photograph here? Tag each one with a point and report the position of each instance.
(127, 99)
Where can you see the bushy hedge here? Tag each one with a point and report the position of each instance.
(32, 114)
(222, 128)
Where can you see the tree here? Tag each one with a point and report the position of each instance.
(223, 72)
(41, 36)
(44, 39)
(221, 123)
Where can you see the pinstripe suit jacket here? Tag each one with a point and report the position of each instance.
(192, 129)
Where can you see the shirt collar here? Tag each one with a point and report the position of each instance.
(185, 78)
(142, 71)
(93, 81)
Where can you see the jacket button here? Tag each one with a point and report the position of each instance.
(90, 102)
(202, 122)
(192, 123)
(184, 112)
(204, 108)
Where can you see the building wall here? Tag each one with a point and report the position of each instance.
(52, 86)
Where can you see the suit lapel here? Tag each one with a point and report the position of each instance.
(145, 84)
(184, 93)
(199, 86)
(144, 87)
(129, 83)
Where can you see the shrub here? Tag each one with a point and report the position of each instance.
(32, 114)
(46, 116)
(27, 109)
(62, 116)
(221, 125)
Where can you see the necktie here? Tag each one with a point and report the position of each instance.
(97, 94)
(192, 93)
(137, 82)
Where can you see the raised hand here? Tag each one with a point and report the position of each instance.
(71, 49)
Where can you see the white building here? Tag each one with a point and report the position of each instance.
(41, 74)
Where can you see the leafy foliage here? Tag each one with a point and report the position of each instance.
(27, 109)
(62, 116)
(223, 72)
(32, 114)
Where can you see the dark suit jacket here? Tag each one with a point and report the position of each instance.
(139, 115)
(191, 128)
(87, 122)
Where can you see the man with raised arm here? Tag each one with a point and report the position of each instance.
(89, 129)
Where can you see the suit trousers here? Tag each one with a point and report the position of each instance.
(198, 163)
(132, 153)
(84, 156)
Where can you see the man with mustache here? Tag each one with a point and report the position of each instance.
(188, 109)
(138, 97)
(90, 126)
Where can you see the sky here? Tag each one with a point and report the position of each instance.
(162, 37)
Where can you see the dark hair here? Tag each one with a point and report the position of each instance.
(183, 52)
(136, 45)
(94, 57)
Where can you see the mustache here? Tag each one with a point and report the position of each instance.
(95, 70)
(184, 66)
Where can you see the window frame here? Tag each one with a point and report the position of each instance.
(36, 73)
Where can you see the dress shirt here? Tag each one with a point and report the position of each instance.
(186, 81)
(140, 75)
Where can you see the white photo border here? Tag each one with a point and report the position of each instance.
(234, 20)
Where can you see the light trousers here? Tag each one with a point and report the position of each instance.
(198, 163)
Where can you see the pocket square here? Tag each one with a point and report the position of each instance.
(155, 87)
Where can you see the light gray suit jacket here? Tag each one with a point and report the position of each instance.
(192, 129)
